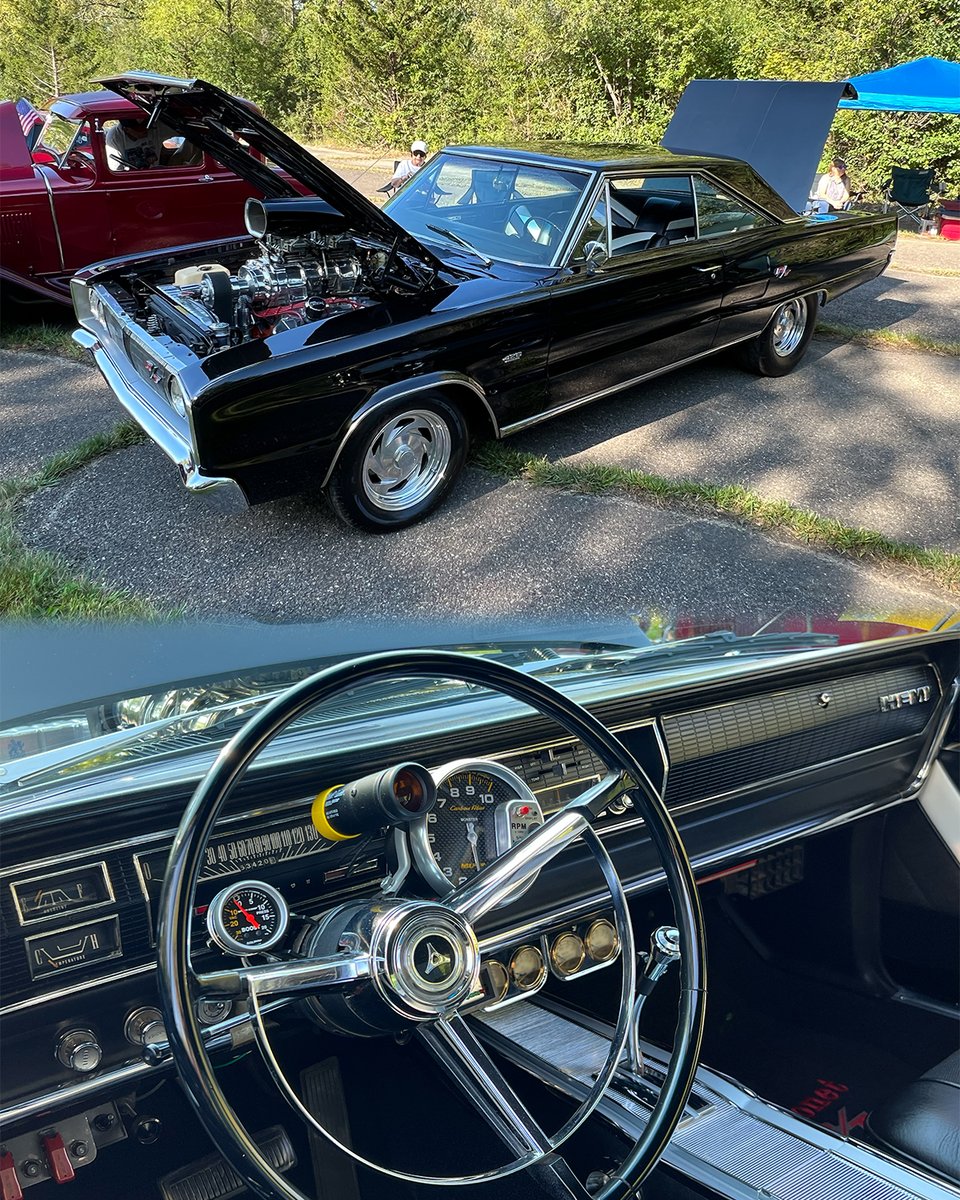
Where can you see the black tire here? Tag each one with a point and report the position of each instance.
(425, 437)
(784, 340)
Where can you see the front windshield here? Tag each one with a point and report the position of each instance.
(514, 212)
(60, 136)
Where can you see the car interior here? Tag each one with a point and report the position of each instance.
(698, 913)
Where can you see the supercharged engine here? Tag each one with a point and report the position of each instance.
(308, 267)
(291, 282)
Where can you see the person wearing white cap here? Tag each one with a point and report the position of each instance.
(408, 166)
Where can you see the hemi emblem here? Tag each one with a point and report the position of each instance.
(920, 695)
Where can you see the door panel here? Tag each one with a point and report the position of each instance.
(653, 302)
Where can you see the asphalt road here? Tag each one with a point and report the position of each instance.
(865, 435)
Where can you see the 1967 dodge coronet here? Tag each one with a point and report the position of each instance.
(380, 923)
(360, 349)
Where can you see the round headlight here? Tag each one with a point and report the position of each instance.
(178, 397)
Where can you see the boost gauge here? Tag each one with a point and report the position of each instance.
(247, 917)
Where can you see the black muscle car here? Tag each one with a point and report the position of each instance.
(361, 349)
(369, 932)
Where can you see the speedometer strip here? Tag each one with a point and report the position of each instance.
(482, 809)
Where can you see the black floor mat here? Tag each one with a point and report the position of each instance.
(829, 1054)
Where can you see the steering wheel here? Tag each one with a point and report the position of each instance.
(371, 966)
(541, 231)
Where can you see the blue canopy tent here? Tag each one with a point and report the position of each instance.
(928, 85)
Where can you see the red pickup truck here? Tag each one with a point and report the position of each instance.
(75, 200)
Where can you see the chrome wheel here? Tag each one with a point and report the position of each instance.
(789, 325)
(406, 460)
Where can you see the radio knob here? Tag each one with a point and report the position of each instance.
(79, 1050)
(144, 1026)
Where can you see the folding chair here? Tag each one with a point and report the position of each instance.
(910, 192)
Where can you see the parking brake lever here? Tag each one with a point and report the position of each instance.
(664, 951)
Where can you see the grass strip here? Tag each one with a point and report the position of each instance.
(887, 339)
(42, 339)
(937, 567)
(35, 584)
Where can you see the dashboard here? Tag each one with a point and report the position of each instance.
(749, 756)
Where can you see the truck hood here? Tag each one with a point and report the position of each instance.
(229, 128)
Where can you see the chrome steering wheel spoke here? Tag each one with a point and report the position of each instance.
(467, 1062)
(286, 978)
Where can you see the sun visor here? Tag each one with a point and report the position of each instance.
(780, 128)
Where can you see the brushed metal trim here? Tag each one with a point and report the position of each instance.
(725, 1101)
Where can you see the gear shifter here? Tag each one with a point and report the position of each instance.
(664, 950)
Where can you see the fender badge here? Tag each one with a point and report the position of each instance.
(781, 272)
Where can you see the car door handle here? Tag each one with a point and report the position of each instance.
(709, 270)
(205, 179)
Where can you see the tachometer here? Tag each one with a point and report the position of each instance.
(247, 917)
(482, 809)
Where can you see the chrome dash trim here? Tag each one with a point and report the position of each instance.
(82, 986)
(484, 713)
(214, 1037)
(38, 1107)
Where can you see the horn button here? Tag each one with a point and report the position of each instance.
(429, 960)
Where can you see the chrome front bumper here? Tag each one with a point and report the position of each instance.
(221, 494)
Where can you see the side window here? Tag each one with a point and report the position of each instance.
(641, 212)
(133, 145)
(596, 230)
(720, 213)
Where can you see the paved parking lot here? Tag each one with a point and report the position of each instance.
(867, 436)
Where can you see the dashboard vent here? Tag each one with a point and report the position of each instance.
(732, 746)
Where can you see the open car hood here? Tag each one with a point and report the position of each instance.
(214, 120)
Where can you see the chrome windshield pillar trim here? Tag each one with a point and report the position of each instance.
(42, 172)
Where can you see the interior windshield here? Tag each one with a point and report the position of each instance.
(509, 211)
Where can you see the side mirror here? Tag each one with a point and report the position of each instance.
(595, 254)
